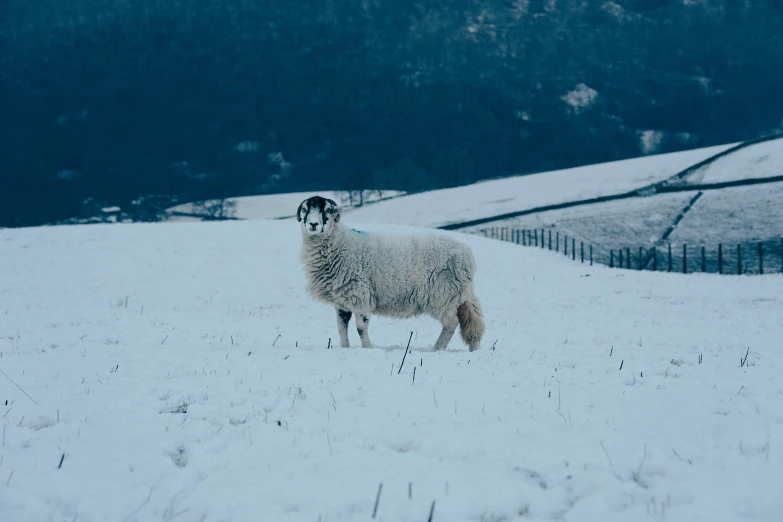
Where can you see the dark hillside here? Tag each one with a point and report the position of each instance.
(104, 102)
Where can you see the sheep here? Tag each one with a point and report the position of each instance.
(362, 274)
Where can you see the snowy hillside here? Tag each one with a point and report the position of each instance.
(762, 160)
(736, 214)
(729, 216)
(274, 206)
(609, 225)
(496, 197)
(180, 372)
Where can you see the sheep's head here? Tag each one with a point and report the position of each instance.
(318, 215)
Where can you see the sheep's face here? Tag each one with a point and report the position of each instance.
(318, 215)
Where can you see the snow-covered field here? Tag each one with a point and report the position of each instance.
(607, 226)
(180, 372)
(735, 214)
(763, 160)
(491, 198)
(274, 206)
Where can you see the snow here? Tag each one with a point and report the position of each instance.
(735, 214)
(491, 198)
(580, 97)
(626, 223)
(184, 374)
(272, 206)
(762, 160)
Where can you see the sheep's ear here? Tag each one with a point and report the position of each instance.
(334, 209)
(299, 211)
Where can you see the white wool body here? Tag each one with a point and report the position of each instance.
(390, 275)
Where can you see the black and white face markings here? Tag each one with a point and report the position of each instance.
(316, 215)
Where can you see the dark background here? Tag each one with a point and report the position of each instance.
(143, 103)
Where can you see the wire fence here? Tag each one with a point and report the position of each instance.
(752, 257)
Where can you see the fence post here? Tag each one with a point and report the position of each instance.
(565, 246)
(591, 255)
(611, 259)
(536, 234)
(620, 258)
(781, 254)
(720, 258)
(543, 243)
(550, 239)
(640, 258)
(628, 257)
(655, 259)
(684, 258)
(703, 259)
(582, 250)
(761, 258)
(739, 259)
(557, 241)
(573, 248)
(670, 257)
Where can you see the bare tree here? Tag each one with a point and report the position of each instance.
(216, 209)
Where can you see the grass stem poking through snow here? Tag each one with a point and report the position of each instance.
(405, 354)
(20, 388)
(329, 343)
(432, 511)
(414, 374)
(60, 465)
(621, 363)
(637, 475)
(410, 490)
(276, 338)
(744, 360)
(377, 500)
(146, 501)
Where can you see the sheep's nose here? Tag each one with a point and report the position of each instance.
(313, 225)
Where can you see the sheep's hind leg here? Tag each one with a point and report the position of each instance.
(343, 317)
(363, 326)
(449, 327)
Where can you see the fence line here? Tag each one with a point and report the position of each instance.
(694, 259)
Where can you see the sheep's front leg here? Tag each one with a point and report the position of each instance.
(449, 327)
(343, 317)
(363, 326)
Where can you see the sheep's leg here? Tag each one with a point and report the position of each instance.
(343, 317)
(449, 327)
(363, 326)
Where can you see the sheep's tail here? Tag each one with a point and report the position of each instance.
(471, 322)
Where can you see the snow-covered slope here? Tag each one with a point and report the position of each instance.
(732, 215)
(491, 198)
(762, 160)
(610, 225)
(273, 206)
(180, 372)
